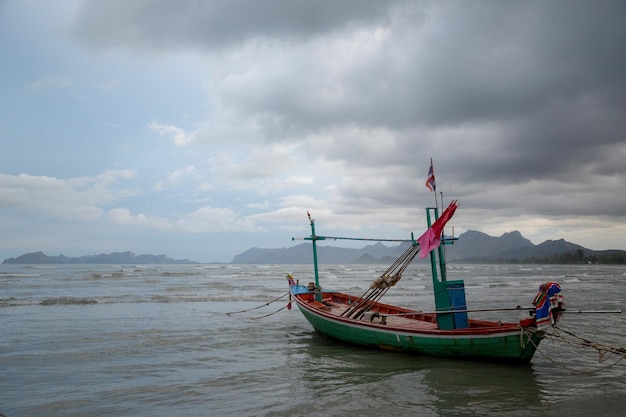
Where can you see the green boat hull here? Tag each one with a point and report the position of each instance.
(512, 346)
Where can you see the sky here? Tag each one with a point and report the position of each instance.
(200, 129)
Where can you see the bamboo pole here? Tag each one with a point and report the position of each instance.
(518, 308)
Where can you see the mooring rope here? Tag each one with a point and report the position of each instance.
(267, 315)
(256, 308)
(603, 350)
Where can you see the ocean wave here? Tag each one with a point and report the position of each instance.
(67, 301)
(16, 275)
(133, 299)
(9, 302)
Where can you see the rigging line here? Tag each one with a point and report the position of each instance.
(362, 307)
(371, 304)
(399, 266)
(256, 308)
(357, 301)
(409, 259)
(363, 304)
(360, 302)
(408, 254)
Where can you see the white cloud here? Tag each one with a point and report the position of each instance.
(78, 198)
(263, 205)
(301, 179)
(50, 82)
(265, 162)
(110, 84)
(215, 219)
(177, 135)
(125, 217)
(336, 110)
(177, 176)
(206, 186)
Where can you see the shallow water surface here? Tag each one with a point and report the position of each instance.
(105, 340)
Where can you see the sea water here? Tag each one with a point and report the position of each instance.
(152, 340)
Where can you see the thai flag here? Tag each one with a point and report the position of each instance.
(430, 182)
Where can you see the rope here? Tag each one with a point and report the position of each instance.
(603, 350)
(267, 315)
(256, 308)
(381, 285)
(585, 343)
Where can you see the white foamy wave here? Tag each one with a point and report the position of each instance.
(17, 275)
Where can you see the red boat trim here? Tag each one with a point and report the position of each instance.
(505, 329)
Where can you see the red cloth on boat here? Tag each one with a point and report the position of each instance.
(431, 239)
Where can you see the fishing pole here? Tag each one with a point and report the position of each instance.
(361, 301)
(354, 238)
(518, 308)
(415, 313)
(368, 305)
(592, 311)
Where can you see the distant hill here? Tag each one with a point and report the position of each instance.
(111, 258)
(478, 246)
(472, 246)
(302, 254)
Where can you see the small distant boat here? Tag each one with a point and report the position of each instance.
(447, 331)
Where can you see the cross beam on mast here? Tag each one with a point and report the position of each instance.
(354, 238)
(413, 250)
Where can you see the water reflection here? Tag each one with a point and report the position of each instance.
(360, 380)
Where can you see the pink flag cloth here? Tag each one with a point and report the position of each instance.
(431, 238)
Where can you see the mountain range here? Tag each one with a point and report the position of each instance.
(472, 246)
(111, 258)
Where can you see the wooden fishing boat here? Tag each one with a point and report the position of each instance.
(446, 332)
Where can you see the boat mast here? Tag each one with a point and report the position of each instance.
(314, 238)
(450, 301)
(429, 222)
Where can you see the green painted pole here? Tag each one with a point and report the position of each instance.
(433, 262)
(442, 261)
(442, 299)
(314, 239)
